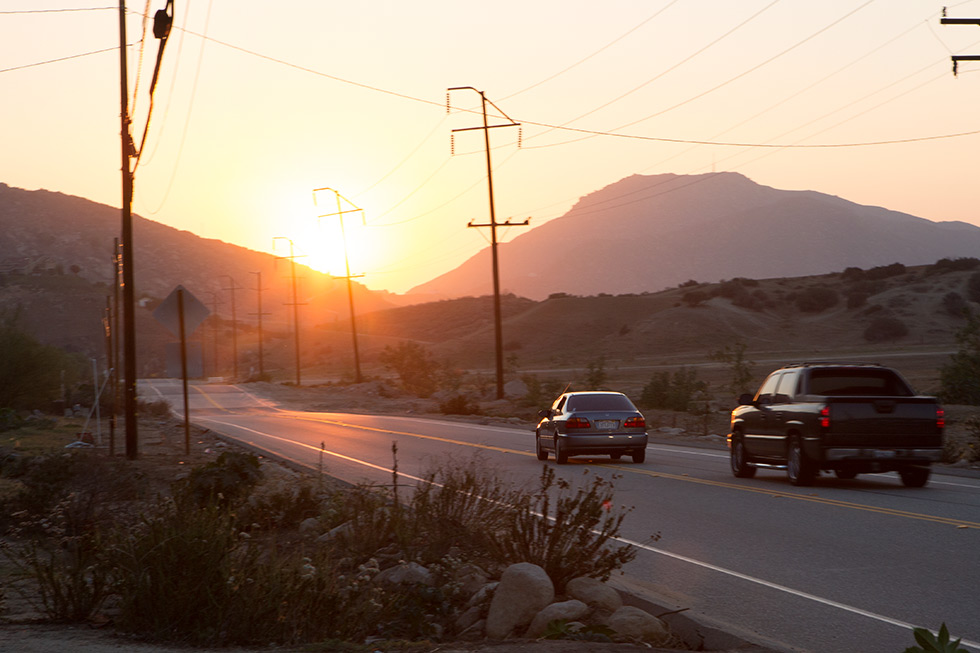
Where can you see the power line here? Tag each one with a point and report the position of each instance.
(599, 51)
(59, 59)
(56, 11)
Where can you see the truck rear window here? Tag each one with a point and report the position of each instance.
(858, 382)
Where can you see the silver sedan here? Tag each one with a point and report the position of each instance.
(591, 423)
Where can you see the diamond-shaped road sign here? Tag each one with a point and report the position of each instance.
(195, 312)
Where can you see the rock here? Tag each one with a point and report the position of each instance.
(337, 533)
(523, 591)
(567, 610)
(309, 524)
(635, 623)
(594, 593)
(470, 578)
(409, 573)
(482, 595)
(515, 388)
(468, 618)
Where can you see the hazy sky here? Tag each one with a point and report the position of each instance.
(260, 103)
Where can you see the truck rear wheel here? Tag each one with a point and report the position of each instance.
(799, 468)
(914, 476)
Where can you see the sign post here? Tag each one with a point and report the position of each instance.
(182, 313)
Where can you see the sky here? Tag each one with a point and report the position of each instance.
(260, 104)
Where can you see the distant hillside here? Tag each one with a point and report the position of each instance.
(908, 316)
(56, 269)
(647, 233)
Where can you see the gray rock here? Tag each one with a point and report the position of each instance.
(337, 533)
(594, 593)
(409, 573)
(515, 388)
(482, 595)
(471, 578)
(567, 610)
(523, 591)
(468, 618)
(309, 524)
(634, 622)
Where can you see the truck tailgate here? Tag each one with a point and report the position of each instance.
(884, 421)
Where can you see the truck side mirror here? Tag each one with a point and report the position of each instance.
(746, 399)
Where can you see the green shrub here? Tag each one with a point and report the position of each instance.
(415, 366)
(566, 533)
(929, 643)
(955, 305)
(228, 479)
(816, 299)
(667, 392)
(459, 405)
(885, 328)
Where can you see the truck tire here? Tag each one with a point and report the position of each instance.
(914, 476)
(739, 459)
(799, 468)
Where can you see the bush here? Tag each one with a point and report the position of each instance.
(955, 305)
(31, 374)
(973, 287)
(816, 299)
(459, 405)
(885, 328)
(672, 393)
(960, 378)
(416, 368)
(226, 480)
(856, 299)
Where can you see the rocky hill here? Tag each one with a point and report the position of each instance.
(647, 233)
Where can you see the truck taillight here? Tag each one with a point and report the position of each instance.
(940, 418)
(635, 423)
(825, 417)
(577, 423)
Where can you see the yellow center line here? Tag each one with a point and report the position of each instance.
(676, 477)
(208, 397)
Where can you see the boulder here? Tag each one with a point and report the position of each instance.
(637, 624)
(594, 593)
(523, 591)
(471, 578)
(567, 610)
(410, 573)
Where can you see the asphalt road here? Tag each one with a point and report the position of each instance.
(843, 566)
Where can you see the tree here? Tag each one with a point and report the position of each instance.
(415, 366)
(32, 374)
(672, 393)
(960, 378)
(741, 369)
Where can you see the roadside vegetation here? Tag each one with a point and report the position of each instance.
(240, 552)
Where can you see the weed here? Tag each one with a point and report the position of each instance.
(929, 643)
(564, 629)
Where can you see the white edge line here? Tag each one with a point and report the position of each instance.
(646, 547)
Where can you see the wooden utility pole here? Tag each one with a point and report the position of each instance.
(493, 224)
(234, 327)
(259, 313)
(128, 277)
(350, 289)
(295, 304)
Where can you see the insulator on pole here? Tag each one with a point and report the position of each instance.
(447, 102)
(452, 144)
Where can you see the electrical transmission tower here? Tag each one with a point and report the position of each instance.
(493, 224)
(295, 304)
(259, 313)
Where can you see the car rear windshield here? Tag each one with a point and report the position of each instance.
(600, 402)
(858, 382)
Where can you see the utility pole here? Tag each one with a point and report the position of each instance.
(116, 271)
(234, 327)
(350, 291)
(493, 224)
(129, 299)
(957, 58)
(216, 320)
(259, 313)
(295, 304)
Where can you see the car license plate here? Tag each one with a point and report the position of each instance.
(606, 424)
(884, 453)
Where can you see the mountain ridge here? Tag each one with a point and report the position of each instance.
(646, 233)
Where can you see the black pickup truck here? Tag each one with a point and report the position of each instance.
(852, 418)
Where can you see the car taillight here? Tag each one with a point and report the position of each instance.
(940, 418)
(577, 423)
(635, 423)
(825, 417)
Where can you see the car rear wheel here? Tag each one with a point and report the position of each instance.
(914, 476)
(799, 468)
(542, 453)
(639, 456)
(561, 453)
(739, 460)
